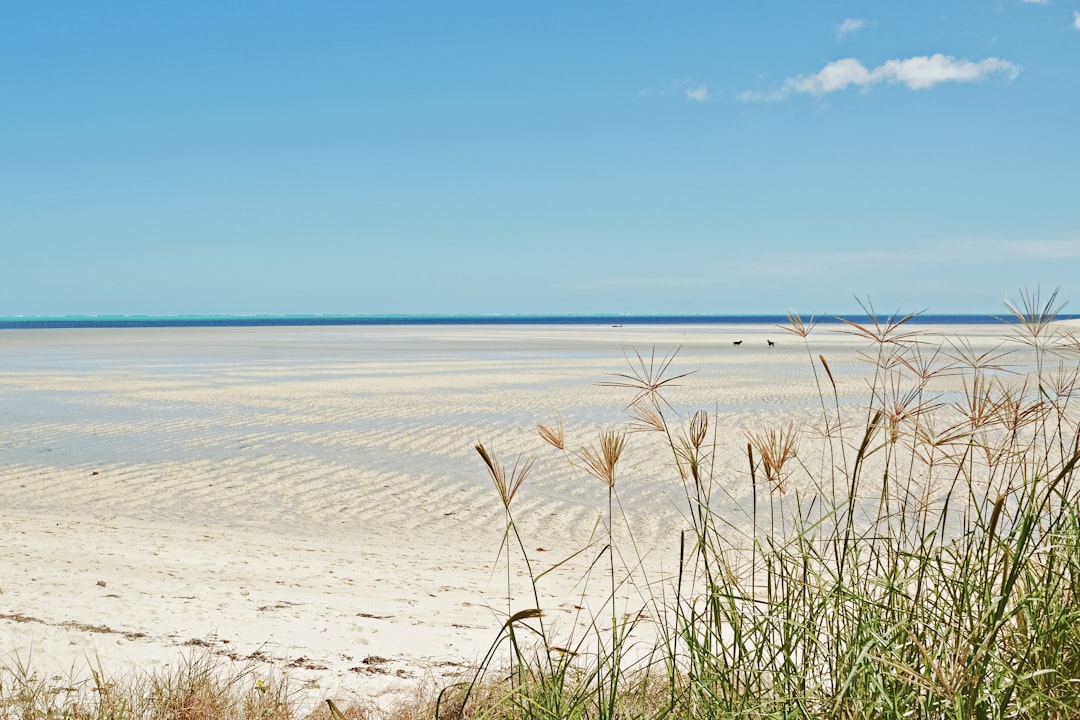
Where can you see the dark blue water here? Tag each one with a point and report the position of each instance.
(177, 321)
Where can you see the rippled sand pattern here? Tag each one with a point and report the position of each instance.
(314, 492)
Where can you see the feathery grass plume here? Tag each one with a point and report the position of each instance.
(925, 367)
(828, 372)
(1036, 317)
(646, 418)
(865, 450)
(799, 326)
(1063, 382)
(699, 427)
(776, 447)
(600, 461)
(903, 406)
(887, 357)
(554, 436)
(976, 404)
(966, 359)
(933, 444)
(880, 331)
(688, 449)
(1014, 409)
(506, 484)
(647, 379)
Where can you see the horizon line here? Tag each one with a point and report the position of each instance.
(306, 319)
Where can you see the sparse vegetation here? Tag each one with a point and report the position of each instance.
(913, 555)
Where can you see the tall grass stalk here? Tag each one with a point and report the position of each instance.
(914, 554)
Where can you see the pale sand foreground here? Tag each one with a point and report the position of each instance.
(311, 497)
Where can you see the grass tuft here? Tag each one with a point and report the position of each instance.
(919, 558)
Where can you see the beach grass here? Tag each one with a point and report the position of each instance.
(915, 554)
(911, 553)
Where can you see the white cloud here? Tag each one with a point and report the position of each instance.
(923, 72)
(694, 91)
(697, 94)
(834, 76)
(1036, 2)
(849, 26)
(1076, 20)
(917, 73)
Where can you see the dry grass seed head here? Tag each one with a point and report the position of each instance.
(977, 403)
(932, 445)
(963, 355)
(699, 427)
(889, 358)
(1002, 458)
(554, 436)
(506, 484)
(994, 415)
(798, 325)
(600, 461)
(1035, 317)
(647, 379)
(1014, 409)
(1062, 383)
(828, 371)
(646, 417)
(902, 406)
(688, 449)
(866, 448)
(927, 366)
(776, 448)
(881, 331)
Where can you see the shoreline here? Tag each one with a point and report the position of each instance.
(594, 320)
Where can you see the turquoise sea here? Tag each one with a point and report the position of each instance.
(167, 321)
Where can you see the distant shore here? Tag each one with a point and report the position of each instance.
(612, 319)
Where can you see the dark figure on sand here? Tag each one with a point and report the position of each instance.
(737, 343)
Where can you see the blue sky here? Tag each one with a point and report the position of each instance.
(548, 157)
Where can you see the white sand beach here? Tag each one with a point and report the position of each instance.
(310, 498)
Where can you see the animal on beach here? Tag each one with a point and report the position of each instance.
(737, 343)
(771, 343)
